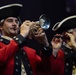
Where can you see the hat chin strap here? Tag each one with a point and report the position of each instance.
(19, 20)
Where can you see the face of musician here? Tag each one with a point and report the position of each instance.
(10, 27)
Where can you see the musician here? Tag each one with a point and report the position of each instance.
(65, 39)
(15, 57)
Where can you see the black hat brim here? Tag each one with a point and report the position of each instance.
(65, 24)
(11, 10)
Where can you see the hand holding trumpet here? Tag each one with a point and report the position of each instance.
(72, 41)
(25, 28)
(38, 33)
(33, 30)
(56, 44)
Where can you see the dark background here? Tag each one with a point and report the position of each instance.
(55, 9)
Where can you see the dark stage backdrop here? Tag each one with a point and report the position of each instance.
(55, 9)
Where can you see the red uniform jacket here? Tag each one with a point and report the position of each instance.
(57, 64)
(40, 65)
(63, 63)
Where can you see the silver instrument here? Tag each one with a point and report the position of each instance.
(44, 21)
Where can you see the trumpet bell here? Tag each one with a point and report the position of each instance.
(44, 21)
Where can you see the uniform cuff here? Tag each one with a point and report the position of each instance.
(19, 39)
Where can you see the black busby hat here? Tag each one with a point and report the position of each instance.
(11, 10)
(65, 24)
